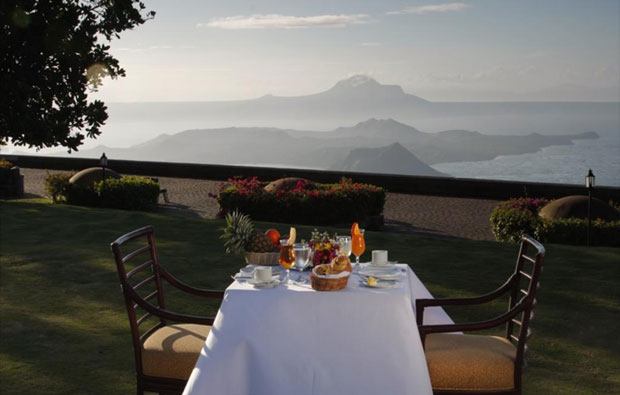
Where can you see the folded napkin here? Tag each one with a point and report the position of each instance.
(244, 275)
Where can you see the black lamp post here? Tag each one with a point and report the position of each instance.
(590, 183)
(103, 161)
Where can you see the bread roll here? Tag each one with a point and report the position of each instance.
(322, 269)
(340, 264)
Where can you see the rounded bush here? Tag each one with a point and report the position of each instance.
(128, 193)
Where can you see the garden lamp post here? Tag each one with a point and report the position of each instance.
(590, 183)
(103, 161)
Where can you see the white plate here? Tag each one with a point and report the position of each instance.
(372, 264)
(262, 284)
(382, 274)
(381, 284)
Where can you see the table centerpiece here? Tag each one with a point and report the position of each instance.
(324, 247)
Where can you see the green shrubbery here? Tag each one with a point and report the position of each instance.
(57, 186)
(305, 203)
(574, 231)
(515, 217)
(128, 193)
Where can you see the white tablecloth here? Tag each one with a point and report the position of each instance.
(294, 340)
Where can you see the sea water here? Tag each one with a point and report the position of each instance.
(566, 164)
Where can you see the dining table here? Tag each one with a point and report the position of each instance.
(291, 339)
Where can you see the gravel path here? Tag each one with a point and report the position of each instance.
(434, 215)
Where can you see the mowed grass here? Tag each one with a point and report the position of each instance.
(64, 328)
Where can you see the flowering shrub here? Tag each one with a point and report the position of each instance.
(324, 247)
(513, 218)
(533, 205)
(305, 202)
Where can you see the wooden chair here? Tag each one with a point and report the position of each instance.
(165, 353)
(473, 364)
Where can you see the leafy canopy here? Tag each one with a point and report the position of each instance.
(52, 53)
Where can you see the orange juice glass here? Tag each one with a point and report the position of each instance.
(358, 246)
(286, 258)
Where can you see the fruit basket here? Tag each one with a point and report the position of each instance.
(261, 258)
(331, 283)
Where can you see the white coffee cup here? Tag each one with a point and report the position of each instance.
(262, 274)
(379, 257)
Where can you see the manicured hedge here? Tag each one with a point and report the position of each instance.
(128, 193)
(574, 231)
(515, 217)
(305, 203)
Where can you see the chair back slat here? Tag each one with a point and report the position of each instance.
(144, 318)
(151, 295)
(135, 253)
(139, 268)
(142, 283)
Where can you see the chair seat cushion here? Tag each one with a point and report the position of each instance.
(470, 362)
(172, 351)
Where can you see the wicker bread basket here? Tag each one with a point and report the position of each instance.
(329, 284)
(261, 258)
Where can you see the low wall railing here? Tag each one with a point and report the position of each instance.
(415, 185)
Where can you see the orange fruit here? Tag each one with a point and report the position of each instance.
(355, 229)
(273, 235)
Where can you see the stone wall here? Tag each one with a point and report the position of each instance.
(416, 185)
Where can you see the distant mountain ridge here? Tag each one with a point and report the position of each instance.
(384, 145)
(391, 159)
(362, 97)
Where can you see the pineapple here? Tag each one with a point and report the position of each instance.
(259, 242)
(239, 235)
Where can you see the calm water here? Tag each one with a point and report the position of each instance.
(559, 164)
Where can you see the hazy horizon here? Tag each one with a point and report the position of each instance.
(476, 50)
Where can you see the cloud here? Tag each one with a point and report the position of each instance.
(427, 9)
(276, 21)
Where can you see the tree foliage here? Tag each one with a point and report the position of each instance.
(52, 54)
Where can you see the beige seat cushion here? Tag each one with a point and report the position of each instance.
(470, 362)
(172, 351)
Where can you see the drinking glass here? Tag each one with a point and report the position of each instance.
(302, 255)
(358, 246)
(344, 242)
(286, 259)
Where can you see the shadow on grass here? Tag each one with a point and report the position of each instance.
(64, 327)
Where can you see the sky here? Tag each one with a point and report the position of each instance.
(475, 50)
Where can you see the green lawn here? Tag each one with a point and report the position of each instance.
(64, 327)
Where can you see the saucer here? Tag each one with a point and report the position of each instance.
(264, 284)
(381, 284)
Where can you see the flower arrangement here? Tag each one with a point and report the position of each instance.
(324, 247)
